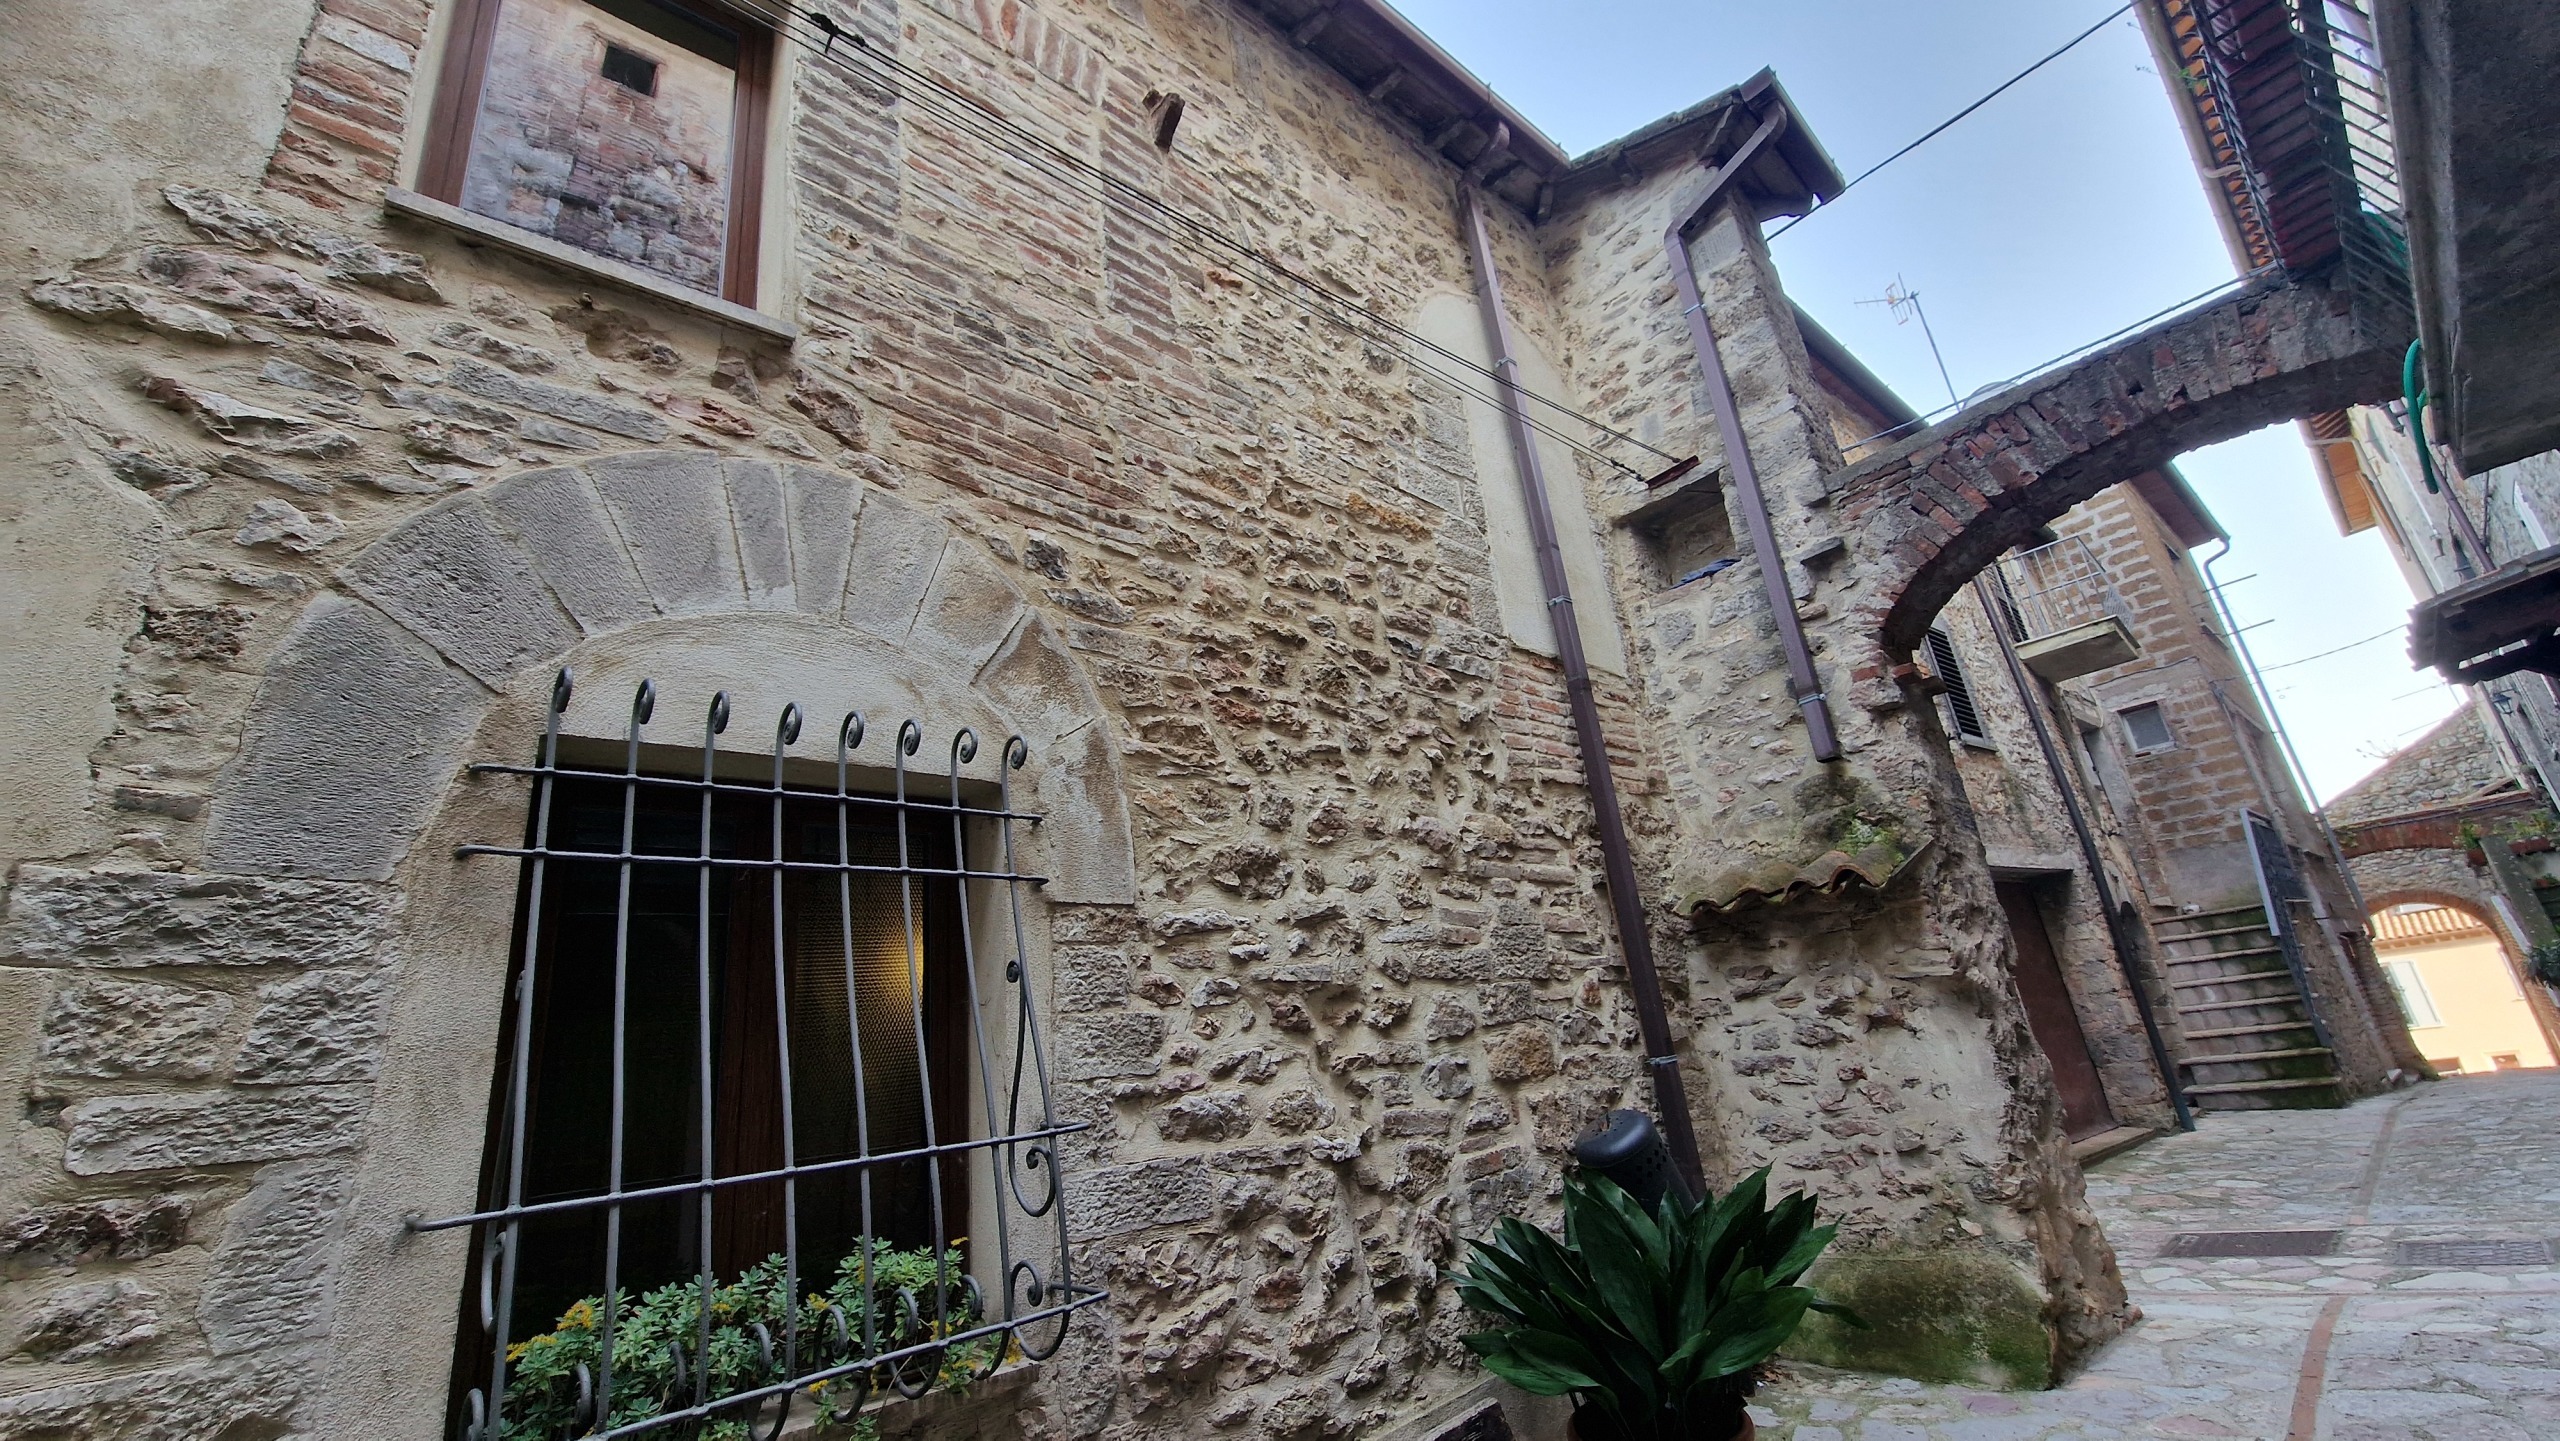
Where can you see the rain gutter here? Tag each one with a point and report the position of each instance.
(1802, 682)
(1626, 900)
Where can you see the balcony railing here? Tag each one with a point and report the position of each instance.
(2064, 611)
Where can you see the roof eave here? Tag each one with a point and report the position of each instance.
(1460, 119)
(1407, 75)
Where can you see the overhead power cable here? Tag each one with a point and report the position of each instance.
(1925, 418)
(1949, 123)
(823, 38)
(2340, 650)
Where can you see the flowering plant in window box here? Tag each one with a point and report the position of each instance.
(657, 1342)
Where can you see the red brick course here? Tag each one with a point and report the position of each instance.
(1940, 506)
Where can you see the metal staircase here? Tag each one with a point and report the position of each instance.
(2254, 1043)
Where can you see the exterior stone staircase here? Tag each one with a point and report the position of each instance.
(2253, 1042)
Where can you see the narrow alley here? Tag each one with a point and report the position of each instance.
(2405, 1331)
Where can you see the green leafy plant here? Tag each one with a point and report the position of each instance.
(2544, 963)
(543, 1386)
(1656, 1324)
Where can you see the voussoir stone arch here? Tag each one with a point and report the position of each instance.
(1932, 511)
(2476, 907)
(370, 704)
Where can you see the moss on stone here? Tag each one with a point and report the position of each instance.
(1950, 1316)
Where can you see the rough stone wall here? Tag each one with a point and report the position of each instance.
(1359, 998)
(1363, 975)
(2188, 797)
(2440, 876)
(2026, 832)
(2452, 763)
(2027, 836)
(1894, 1011)
(2428, 860)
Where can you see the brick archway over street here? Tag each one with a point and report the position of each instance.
(1934, 510)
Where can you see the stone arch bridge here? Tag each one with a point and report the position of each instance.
(1934, 510)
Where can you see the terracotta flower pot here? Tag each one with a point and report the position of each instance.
(1750, 1430)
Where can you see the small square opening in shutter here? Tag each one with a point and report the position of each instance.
(1962, 717)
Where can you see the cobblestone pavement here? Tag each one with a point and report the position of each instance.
(2356, 1346)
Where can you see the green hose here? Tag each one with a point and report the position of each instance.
(2417, 398)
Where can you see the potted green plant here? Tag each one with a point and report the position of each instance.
(2544, 963)
(657, 1335)
(1655, 1324)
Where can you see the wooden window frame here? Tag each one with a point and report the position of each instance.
(447, 150)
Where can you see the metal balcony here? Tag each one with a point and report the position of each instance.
(2064, 612)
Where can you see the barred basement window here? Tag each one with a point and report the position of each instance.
(765, 1130)
(1962, 718)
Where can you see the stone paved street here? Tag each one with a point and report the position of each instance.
(2349, 1347)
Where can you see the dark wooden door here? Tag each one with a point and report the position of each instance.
(2051, 1016)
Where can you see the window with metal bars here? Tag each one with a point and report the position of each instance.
(1962, 718)
(765, 1132)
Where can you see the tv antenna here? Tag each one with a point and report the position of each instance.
(1899, 298)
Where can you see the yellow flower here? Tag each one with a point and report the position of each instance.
(581, 1317)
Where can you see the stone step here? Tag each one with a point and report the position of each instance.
(2234, 1088)
(2225, 955)
(2258, 926)
(2238, 1058)
(2090, 1150)
(2287, 998)
(2231, 980)
(2264, 1029)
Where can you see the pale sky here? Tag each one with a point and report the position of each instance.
(2062, 211)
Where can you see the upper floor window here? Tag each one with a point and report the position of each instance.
(632, 129)
(2146, 728)
(2415, 1001)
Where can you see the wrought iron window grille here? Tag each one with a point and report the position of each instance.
(907, 1338)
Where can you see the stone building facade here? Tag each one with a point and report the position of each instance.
(316, 484)
(2165, 750)
(2183, 793)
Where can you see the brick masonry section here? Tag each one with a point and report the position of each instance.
(1937, 508)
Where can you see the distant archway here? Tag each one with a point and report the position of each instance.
(2413, 930)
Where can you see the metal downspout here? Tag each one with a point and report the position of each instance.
(2091, 856)
(1801, 680)
(1626, 900)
